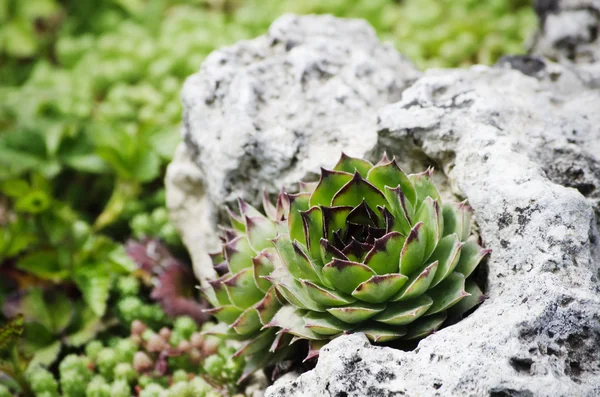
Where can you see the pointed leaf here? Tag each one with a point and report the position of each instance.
(268, 306)
(260, 231)
(424, 186)
(431, 216)
(380, 333)
(329, 252)
(471, 254)
(401, 209)
(288, 256)
(227, 313)
(292, 291)
(291, 320)
(390, 174)
(467, 303)
(418, 284)
(308, 187)
(239, 254)
(356, 312)
(242, 290)
(270, 209)
(413, 251)
(425, 326)
(325, 296)
(259, 343)
(223, 331)
(263, 266)
(457, 219)
(352, 165)
(334, 218)
(313, 230)
(329, 184)
(448, 293)
(298, 203)
(247, 323)
(314, 347)
(346, 275)
(384, 257)
(402, 313)
(357, 190)
(447, 254)
(236, 222)
(324, 324)
(309, 268)
(247, 210)
(379, 289)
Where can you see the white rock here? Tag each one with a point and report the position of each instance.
(268, 112)
(522, 146)
(507, 142)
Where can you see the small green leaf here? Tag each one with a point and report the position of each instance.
(402, 313)
(346, 275)
(43, 264)
(239, 253)
(448, 293)
(260, 343)
(358, 189)
(384, 257)
(390, 174)
(247, 323)
(260, 231)
(380, 333)
(329, 184)
(298, 203)
(379, 289)
(292, 291)
(424, 186)
(313, 230)
(471, 254)
(418, 284)
(447, 254)
(356, 312)
(263, 266)
(401, 209)
(326, 296)
(351, 165)
(226, 313)
(334, 218)
(413, 251)
(430, 215)
(94, 282)
(457, 219)
(268, 306)
(324, 324)
(11, 331)
(242, 290)
(425, 326)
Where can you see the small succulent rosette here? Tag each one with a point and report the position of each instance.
(367, 249)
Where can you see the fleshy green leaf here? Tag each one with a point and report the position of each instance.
(242, 290)
(94, 282)
(424, 186)
(329, 184)
(431, 217)
(298, 203)
(356, 312)
(448, 293)
(381, 333)
(247, 323)
(334, 218)
(447, 254)
(226, 313)
(263, 266)
(352, 165)
(358, 189)
(239, 253)
(390, 174)
(425, 326)
(401, 209)
(379, 289)
(471, 254)
(413, 251)
(260, 231)
(324, 324)
(402, 313)
(457, 219)
(346, 275)
(313, 230)
(467, 303)
(418, 284)
(326, 296)
(384, 257)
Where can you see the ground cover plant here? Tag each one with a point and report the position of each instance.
(89, 119)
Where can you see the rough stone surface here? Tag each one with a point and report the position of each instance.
(569, 30)
(525, 151)
(272, 110)
(520, 140)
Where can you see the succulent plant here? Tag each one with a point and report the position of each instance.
(367, 248)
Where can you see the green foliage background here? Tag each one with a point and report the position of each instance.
(90, 112)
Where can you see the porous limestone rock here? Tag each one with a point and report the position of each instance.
(525, 150)
(568, 30)
(267, 112)
(520, 140)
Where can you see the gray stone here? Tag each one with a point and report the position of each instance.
(520, 141)
(569, 30)
(267, 112)
(525, 151)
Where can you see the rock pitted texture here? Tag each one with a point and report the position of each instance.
(272, 110)
(520, 140)
(568, 30)
(525, 151)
